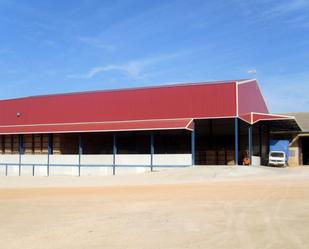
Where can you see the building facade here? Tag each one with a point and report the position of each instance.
(298, 140)
(134, 130)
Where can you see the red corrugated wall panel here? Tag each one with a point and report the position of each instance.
(250, 99)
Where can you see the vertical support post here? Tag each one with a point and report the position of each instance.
(80, 151)
(20, 152)
(151, 150)
(211, 140)
(236, 140)
(250, 144)
(268, 138)
(114, 153)
(49, 150)
(193, 143)
(260, 139)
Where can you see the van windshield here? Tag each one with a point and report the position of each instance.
(277, 154)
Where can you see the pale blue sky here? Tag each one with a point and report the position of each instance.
(66, 46)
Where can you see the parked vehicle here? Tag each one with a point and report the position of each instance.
(277, 158)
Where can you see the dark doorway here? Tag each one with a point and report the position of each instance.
(214, 142)
(305, 150)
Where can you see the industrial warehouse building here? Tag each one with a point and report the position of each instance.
(134, 130)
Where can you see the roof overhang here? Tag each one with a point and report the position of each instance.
(275, 122)
(134, 125)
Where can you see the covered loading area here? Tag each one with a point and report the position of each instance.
(131, 146)
(229, 141)
(298, 139)
(263, 128)
(182, 142)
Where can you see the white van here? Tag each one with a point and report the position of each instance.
(276, 158)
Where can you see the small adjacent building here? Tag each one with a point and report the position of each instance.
(299, 140)
(138, 129)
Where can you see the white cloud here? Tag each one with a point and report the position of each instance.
(133, 69)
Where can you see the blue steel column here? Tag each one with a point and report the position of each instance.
(193, 143)
(49, 150)
(20, 152)
(114, 153)
(250, 144)
(267, 139)
(80, 152)
(260, 140)
(151, 150)
(236, 140)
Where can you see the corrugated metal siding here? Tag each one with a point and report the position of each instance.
(250, 99)
(181, 101)
(255, 117)
(108, 126)
(259, 116)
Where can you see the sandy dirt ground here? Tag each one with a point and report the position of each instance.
(216, 207)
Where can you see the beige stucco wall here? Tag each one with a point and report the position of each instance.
(294, 152)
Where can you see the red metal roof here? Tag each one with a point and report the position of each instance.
(263, 116)
(254, 117)
(99, 126)
(275, 122)
(132, 109)
(201, 100)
